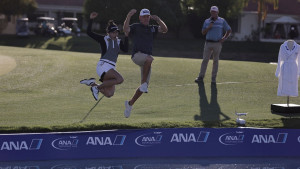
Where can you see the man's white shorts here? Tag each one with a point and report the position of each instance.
(104, 66)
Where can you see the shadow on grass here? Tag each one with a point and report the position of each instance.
(31, 42)
(76, 44)
(165, 47)
(291, 123)
(209, 111)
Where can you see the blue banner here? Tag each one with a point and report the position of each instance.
(177, 142)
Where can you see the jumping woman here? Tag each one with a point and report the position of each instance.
(110, 46)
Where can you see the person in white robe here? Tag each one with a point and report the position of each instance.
(288, 69)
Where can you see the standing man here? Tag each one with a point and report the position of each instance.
(142, 35)
(213, 28)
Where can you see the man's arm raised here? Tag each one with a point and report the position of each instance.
(126, 27)
(162, 26)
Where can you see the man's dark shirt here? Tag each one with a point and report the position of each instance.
(142, 36)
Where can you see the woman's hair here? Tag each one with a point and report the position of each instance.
(111, 26)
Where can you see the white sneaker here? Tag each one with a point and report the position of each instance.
(144, 87)
(95, 92)
(88, 82)
(127, 109)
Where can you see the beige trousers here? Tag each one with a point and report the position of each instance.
(211, 49)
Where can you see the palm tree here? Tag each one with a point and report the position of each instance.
(262, 10)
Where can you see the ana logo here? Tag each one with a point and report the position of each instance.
(280, 138)
(102, 141)
(232, 138)
(149, 139)
(21, 145)
(65, 143)
(152, 29)
(190, 137)
(299, 139)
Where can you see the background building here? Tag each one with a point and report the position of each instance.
(277, 25)
(53, 8)
(59, 9)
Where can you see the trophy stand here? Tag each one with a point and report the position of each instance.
(285, 109)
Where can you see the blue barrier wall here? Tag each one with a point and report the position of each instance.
(178, 142)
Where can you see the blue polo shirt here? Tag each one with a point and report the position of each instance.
(142, 36)
(217, 31)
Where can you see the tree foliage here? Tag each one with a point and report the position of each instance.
(175, 13)
(17, 7)
(228, 9)
(107, 10)
(168, 10)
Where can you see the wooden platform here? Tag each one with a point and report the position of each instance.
(285, 109)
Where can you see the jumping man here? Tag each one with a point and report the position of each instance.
(142, 35)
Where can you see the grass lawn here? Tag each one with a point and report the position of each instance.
(43, 93)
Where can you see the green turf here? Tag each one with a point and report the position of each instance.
(43, 91)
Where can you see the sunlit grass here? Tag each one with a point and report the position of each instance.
(44, 91)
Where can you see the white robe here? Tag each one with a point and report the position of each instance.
(288, 70)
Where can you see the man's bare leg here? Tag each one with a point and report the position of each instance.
(146, 68)
(137, 94)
